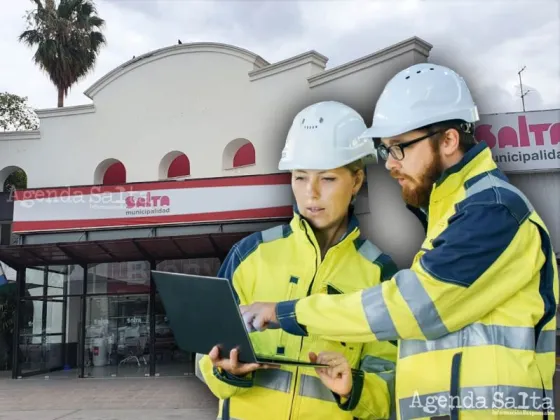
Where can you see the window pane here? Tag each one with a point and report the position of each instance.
(75, 279)
(199, 266)
(34, 281)
(56, 282)
(54, 318)
(32, 319)
(125, 277)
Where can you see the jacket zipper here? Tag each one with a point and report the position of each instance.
(317, 264)
(455, 386)
(296, 373)
(282, 333)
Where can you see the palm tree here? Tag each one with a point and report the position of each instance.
(68, 40)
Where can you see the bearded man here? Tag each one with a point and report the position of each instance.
(474, 315)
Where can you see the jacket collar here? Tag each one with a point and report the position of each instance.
(474, 162)
(298, 222)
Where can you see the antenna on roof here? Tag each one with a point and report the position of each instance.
(521, 88)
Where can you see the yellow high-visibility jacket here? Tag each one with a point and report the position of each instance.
(282, 263)
(474, 314)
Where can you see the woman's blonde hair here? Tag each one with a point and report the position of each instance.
(355, 166)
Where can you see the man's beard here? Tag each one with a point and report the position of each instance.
(418, 195)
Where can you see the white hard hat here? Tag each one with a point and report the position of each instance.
(420, 95)
(323, 136)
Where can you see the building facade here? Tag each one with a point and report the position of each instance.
(173, 161)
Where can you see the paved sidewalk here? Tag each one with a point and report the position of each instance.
(184, 398)
(186, 414)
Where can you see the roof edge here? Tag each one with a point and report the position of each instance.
(256, 60)
(65, 111)
(376, 57)
(311, 56)
(20, 135)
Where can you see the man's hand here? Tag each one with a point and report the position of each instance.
(338, 376)
(232, 365)
(259, 316)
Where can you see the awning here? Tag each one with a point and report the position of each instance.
(129, 249)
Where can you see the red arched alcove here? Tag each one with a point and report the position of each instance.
(244, 156)
(115, 174)
(180, 166)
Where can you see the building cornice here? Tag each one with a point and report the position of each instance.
(20, 135)
(162, 53)
(65, 111)
(392, 51)
(309, 57)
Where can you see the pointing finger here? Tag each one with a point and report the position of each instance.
(214, 354)
(233, 358)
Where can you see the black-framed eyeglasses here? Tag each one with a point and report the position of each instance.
(397, 150)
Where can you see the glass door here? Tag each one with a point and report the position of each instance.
(47, 339)
(117, 340)
(42, 338)
(170, 359)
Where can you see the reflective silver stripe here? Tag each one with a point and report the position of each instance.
(197, 370)
(420, 304)
(369, 251)
(275, 379)
(272, 233)
(376, 364)
(498, 397)
(547, 342)
(377, 314)
(490, 181)
(519, 338)
(312, 387)
(385, 369)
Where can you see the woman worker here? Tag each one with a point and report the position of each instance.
(321, 250)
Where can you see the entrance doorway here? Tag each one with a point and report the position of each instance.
(106, 321)
(46, 340)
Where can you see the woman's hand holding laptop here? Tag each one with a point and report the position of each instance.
(232, 365)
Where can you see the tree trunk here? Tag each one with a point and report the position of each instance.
(60, 98)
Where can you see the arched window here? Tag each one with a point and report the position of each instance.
(238, 153)
(12, 178)
(175, 164)
(244, 156)
(110, 172)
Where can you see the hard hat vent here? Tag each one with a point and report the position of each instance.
(309, 126)
(418, 72)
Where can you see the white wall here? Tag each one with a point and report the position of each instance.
(193, 98)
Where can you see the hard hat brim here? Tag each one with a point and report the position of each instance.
(377, 131)
(319, 165)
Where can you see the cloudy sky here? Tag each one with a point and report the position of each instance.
(488, 41)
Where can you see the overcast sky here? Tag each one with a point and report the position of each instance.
(488, 41)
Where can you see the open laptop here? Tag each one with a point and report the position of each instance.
(203, 312)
